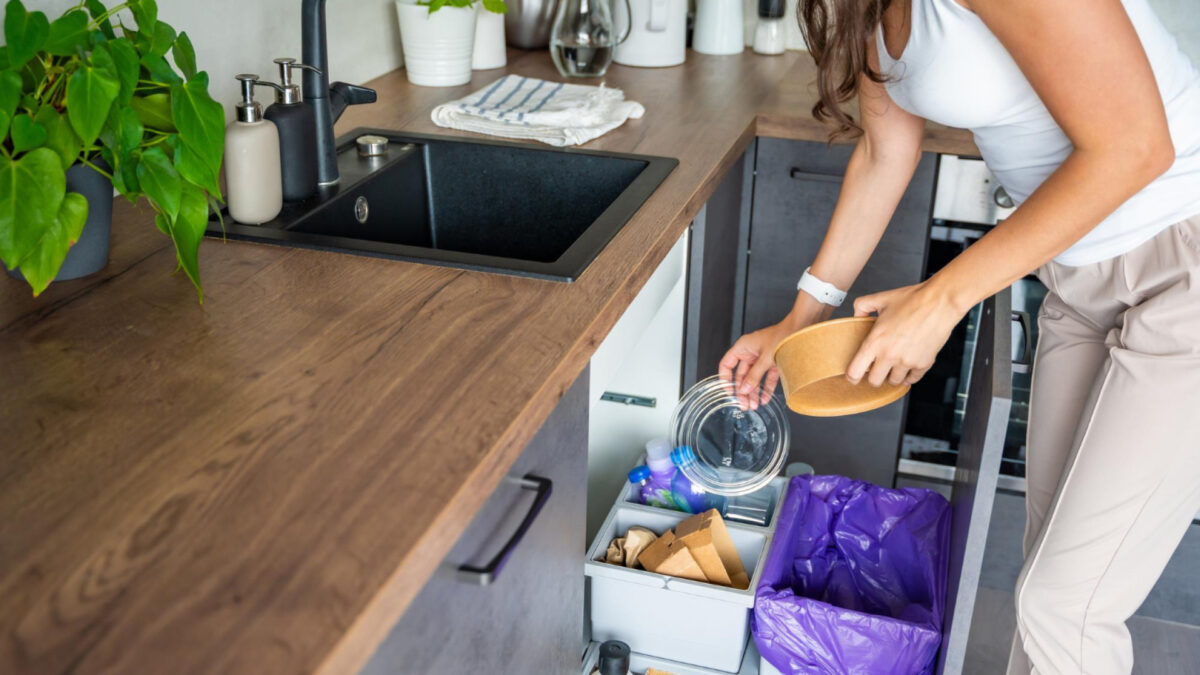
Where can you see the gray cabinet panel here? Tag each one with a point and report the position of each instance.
(712, 280)
(530, 619)
(989, 400)
(795, 190)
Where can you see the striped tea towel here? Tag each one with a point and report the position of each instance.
(551, 112)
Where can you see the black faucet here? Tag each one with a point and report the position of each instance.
(328, 102)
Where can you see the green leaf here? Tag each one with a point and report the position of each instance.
(124, 173)
(194, 169)
(185, 55)
(160, 70)
(145, 12)
(162, 39)
(10, 96)
(187, 230)
(24, 32)
(97, 9)
(495, 6)
(200, 119)
(42, 264)
(67, 33)
(129, 130)
(90, 93)
(27, 134)
(31, 190)
(160, 181)
(125, 59)
(4, 63)
(60, 137)
(154, 111)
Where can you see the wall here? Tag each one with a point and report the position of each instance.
(243, 36)
(1181, 17)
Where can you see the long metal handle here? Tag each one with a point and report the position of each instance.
(801, 174)
(485, 575)
(1025, 363)
(629, 399)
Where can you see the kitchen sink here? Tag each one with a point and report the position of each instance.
(477, 204)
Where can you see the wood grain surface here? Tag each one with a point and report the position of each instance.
(232, 487)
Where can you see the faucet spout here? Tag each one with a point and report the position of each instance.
(327, 105)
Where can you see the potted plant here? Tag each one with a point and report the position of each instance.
(92, 95)
(438, 38)
(489, 50)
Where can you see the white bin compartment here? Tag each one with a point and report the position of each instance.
(677, 619)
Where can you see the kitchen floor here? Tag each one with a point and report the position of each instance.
(1166, 629)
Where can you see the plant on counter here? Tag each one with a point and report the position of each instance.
(79, 89)
(493, 6)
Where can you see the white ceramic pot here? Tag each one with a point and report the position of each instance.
(438, 46)
(489, 40)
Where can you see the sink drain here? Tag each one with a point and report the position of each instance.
(361, 209)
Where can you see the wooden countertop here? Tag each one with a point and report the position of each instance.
(261, 484)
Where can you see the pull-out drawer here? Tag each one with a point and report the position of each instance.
(509, 596)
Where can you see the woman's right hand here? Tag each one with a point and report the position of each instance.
(752, 358)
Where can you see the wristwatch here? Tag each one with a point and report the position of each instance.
(825, 293)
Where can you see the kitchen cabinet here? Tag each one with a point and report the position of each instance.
(527, 616)
(796, 185)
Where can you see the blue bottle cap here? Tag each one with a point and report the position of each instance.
(639, 474)
(683, 456)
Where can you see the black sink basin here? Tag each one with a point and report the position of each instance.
(487, 205)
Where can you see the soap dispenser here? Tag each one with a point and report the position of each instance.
(254, 188)
(297, 134)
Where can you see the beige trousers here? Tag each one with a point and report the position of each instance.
(1113, 452)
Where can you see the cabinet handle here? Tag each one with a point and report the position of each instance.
(801, 174)
(482, 576)
(1025, 363)
(629, 399)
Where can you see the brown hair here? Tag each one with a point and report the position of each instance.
(836, 32)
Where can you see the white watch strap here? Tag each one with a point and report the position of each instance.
(825, 293)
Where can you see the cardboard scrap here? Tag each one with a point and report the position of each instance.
(668, 555)
(625, 550)
(708, 540)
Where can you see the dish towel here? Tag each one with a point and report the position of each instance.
(551, 112)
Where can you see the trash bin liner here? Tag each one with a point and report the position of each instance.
(855, 579)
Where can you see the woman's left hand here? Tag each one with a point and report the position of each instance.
(914, 322)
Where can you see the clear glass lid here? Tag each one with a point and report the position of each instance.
(736, 451)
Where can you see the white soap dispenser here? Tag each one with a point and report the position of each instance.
(254, 187)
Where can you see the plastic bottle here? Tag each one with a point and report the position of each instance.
(297, 135)
(657, 492)
(639, 478)
(253, 186)
(688, 496)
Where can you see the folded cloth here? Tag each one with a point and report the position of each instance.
(551, 112)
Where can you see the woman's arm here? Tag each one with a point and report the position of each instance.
(1087, 64)
(880, 168)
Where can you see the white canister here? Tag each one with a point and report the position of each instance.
(657, 32)
(719, 29)
(489, 40)
(437, 46)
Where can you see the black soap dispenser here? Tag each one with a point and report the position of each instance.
(297, 135)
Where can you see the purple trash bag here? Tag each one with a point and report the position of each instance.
(854, 581)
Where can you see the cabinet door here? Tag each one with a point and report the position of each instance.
(529, 619)
(989, 401)
(795, 189)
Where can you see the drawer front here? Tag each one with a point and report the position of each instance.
(530, 618)
(989, 400)
(795, 190)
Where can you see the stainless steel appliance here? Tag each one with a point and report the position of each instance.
(967, 203)
(527, 23)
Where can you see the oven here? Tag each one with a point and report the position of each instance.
(967, 203)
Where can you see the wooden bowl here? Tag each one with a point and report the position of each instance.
(812, 366)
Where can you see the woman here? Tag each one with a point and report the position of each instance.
(1089, 115)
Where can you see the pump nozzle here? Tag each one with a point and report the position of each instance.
(248, 110)
(289, 92)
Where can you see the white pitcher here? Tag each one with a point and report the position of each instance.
(657, 33)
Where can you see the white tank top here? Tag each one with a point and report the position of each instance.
(953, 71)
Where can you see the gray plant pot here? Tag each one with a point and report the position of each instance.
(90, 254)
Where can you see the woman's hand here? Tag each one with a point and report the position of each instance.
(750, 359)
(914, 322)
